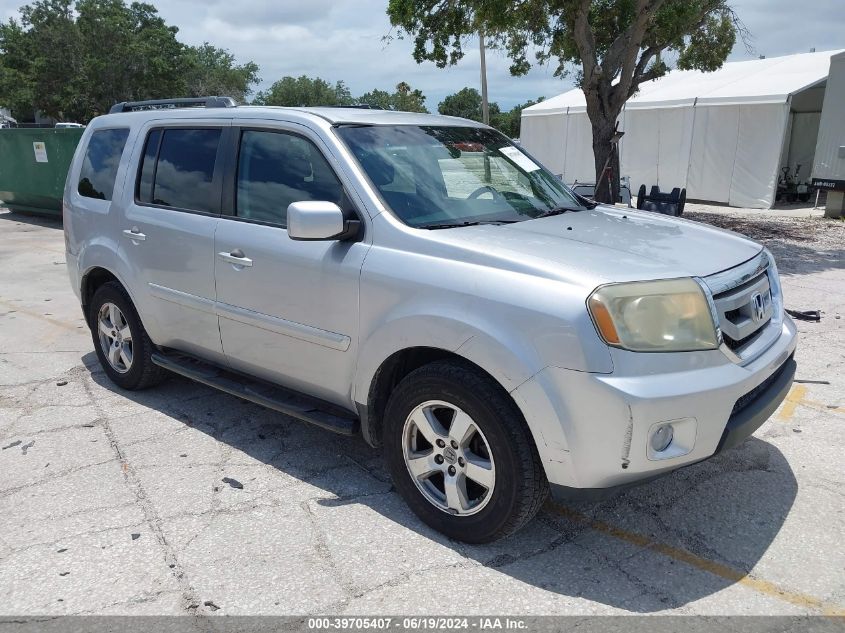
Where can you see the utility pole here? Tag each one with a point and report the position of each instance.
(485, 110)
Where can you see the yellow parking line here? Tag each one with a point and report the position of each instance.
(793, 399)
(823, 407)
(717, 569)
(798, 396)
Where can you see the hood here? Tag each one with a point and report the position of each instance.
(607, 244)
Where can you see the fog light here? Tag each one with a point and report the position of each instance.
(662, 437)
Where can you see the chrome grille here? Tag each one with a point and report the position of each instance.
(745, 302)
(745, 310)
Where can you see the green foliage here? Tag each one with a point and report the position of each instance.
(700, 32)
(509, 122)
(466, 103)
(308, 92)
(73, 61)
(407, 99)
(404, 99)
(378, 99)
(213, 71)
(27, 76)
(304, 92)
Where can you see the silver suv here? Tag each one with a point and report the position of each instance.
(426, 283)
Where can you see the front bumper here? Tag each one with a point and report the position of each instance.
(594, 429)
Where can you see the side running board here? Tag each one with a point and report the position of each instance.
(296, 405)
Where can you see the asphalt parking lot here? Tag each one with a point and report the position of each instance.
(183, 500)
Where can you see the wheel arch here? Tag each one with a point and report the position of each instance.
(406, 344)
(100, 262)
(91, 281)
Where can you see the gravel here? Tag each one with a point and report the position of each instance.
(800, 244)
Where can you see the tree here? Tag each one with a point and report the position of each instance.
(128, 53)
(405, 99)
(465, 103)
(509, 122)
(74, 61)
(39, 61)
(213, 71)
(612, 46)
(380, 99)
(303, 92)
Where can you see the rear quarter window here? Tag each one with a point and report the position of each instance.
(99, 167)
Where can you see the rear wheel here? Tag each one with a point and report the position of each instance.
(122, 345)
(460, 453)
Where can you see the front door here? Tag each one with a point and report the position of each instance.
(168, 235)
(288, 310)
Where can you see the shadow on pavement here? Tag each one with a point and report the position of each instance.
(727, 510)
(47, 221)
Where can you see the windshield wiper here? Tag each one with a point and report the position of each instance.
(454, 225)
(556, 211)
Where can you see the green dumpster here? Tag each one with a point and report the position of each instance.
(33, 166)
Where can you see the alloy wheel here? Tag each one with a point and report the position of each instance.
(115, 337)
(448, 458)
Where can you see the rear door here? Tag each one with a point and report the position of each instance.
(89, 212)
(288, 310)
(168, 232)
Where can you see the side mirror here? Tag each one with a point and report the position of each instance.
(316, 220)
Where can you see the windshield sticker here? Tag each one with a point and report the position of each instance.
(522, 161)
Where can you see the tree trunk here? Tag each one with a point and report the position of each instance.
(606, 160)
(603, 112)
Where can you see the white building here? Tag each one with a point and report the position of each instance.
(829, 163)
(725, 135)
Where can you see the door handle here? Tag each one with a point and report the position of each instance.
(236, 257)
(134, 234)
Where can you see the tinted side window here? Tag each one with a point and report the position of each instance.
(99, 167)
(276, 169)
(181, 175)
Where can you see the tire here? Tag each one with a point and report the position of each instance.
(497, 431)
(132, 367)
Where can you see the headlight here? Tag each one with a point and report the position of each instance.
(654, 316)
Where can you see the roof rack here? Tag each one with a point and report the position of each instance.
(157, 104)
(357, 106)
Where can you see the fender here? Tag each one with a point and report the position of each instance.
(104, 253)
(509, 367)
(461, 338)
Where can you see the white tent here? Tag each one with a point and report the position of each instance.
(723, 135)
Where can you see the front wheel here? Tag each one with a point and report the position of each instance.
(461, 454)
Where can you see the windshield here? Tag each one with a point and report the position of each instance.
(437, 177)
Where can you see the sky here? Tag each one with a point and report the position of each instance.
(345, 40)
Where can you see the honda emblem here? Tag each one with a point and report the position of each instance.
(758, 307)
